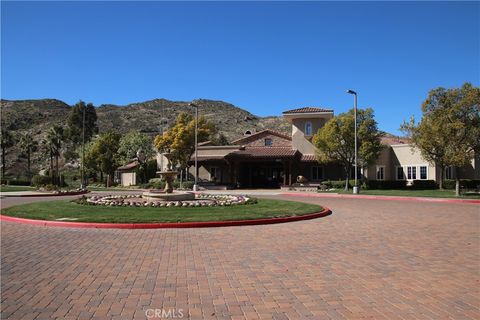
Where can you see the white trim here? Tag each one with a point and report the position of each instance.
(420, 172)
(377, 171)
(417, 171)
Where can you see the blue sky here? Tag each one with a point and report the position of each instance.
(265, 57)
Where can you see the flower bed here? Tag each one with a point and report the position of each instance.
(202, 200)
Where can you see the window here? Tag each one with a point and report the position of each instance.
(423, 172)
(380, 172)
(268, 142)
(317, 173)
(308, 128)
(448, 173)
(411, 173)
(400, 173)
(214, 174)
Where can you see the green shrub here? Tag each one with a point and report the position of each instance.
(185, 184)
(339, 184)
(470, 184)
(385, 184)
(39, 180)
(50, 187)
(464, 183)
(424, 184)
(18, 182)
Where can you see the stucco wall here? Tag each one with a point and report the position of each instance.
(299, 140)
(128, 179)
(204, 173)
(384, 159)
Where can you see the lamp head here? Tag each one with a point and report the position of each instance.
(351, 92)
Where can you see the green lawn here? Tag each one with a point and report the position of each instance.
(4, 188)
(53, 210)
(414, 193)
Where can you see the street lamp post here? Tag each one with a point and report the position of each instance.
(355, 187)
(83, 185)
(195, 185)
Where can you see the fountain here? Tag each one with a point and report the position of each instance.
(168, 194)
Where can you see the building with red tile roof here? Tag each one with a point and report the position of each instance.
(271, 159)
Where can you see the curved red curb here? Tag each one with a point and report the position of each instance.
(400, 198)
(44, 195)
(67, 224)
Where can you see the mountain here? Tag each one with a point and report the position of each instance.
(151, 117)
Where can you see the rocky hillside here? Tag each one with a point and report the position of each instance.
(36, 116)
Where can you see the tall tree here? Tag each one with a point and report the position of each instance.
(55, 137)
(47, 150)
(180, 139)
(28, 145)
(7, 141)
(131, 143)
(103, 153)
(335, 141)
(74, 131)
(449, 132)
(220, 139)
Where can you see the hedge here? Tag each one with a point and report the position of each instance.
(15, 182)
(424, 184)
(464, 183)
(39, 180)
(338, 184)
(385, 184)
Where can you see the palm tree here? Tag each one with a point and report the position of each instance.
(7, 141)
(47, 149)
(28, 146)
(55, 138)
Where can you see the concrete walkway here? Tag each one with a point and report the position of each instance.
(370, 259)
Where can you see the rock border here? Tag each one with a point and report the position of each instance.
(166, 225)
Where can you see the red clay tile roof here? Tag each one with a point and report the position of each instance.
(308, 158)
(272, 132)
(129, 166)
(307, 110)
(265, 152)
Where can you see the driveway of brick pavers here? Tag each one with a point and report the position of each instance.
(370, 259)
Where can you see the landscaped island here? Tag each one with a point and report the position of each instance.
(65, 210)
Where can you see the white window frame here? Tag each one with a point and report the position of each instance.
(377, 171)
(316, 168)
(420, 172)
(413, 167)
(311, 128)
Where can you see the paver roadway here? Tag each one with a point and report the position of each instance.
(370, 259)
